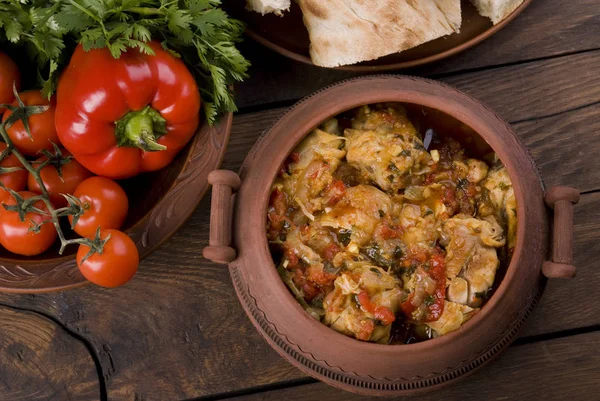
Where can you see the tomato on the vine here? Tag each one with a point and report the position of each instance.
(9, 74)
(20, 236)
(115, 265)
(16, 180)
(104, 205)
(41, 126)
(72, 173)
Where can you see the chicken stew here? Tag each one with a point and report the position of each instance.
(385, 237)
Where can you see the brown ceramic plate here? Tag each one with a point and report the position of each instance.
(288, 36)
(160, 202)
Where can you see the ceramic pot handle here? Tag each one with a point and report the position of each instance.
(224, 184)
(561, 199)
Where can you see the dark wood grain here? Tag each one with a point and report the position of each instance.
(565, 368)
(559, 309)
(177, 330)
(518, 92)
(41, 361)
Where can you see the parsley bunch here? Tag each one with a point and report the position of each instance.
(196, 30)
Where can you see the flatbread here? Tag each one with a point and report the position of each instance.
(496, 10)
(268, 6)
(349, 31)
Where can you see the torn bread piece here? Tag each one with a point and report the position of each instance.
(496, 10)
(268, 6)
(350, 31)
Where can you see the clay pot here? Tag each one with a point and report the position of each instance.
(374, 368)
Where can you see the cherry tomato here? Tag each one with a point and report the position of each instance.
(104, 205)
(9, 73)
(117, 263)
(17, 180)
(15, 235)
(72, 174)
(41, 125)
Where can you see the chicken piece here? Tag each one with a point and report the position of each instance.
(359, 211)
(318, 156)
(452, 318)
(320, 239)
(343, 314)
(386, 148)
(419, 226)
(478, 170)
(458, 291)
(472, 170)
(500, 202)
(422, 212)
(348, 318)
(316, 272)
(375, 280)
(318, 145)
(296, 246)
(480, 273)
(470, 252)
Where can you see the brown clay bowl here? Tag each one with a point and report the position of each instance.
(288, 36)
(369, 368)
(159, 203)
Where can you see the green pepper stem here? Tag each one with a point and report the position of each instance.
(141, 129)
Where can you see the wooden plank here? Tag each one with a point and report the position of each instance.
(41, 361)
(546, 28)
(561, 307)
(526, 91)
(563, 146)
(535, 90)
(561, 369)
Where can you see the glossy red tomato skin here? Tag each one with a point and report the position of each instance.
(15, 235)
(9, 74)
(105, 205)
(17, 180)
(43, 132)
(72, 174)
(87, 109)
(117, 264)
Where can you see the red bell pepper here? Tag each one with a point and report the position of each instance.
(120, 117)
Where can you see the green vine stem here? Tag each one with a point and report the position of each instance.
(23, 112)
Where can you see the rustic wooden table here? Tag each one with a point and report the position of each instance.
(177, 331)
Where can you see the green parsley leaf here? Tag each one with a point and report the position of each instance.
(198, 31)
